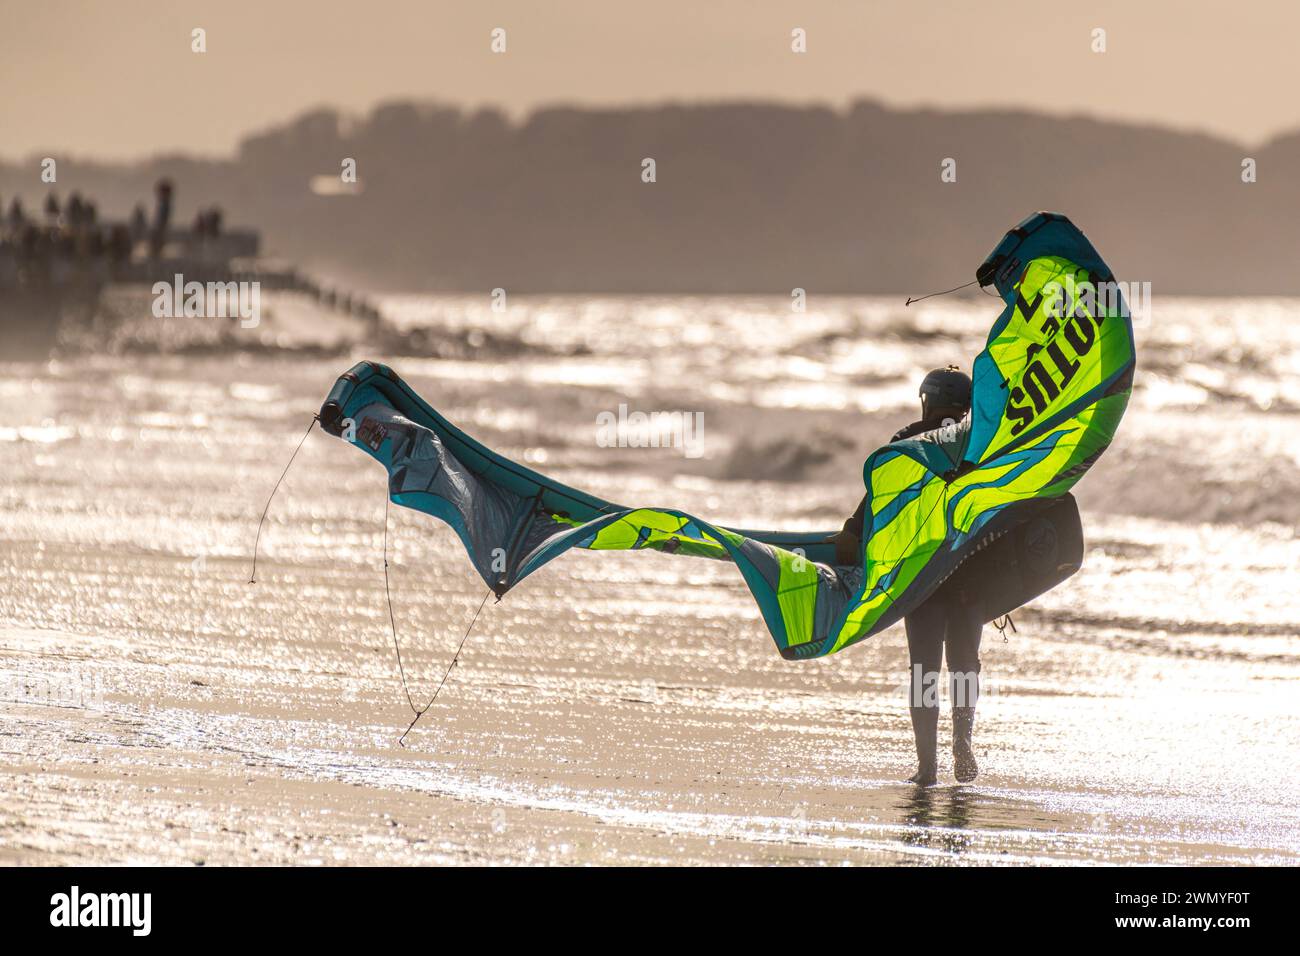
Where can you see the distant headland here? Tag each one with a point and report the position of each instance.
(747, 197)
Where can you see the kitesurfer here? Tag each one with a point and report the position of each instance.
(950, 618)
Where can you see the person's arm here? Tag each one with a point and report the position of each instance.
(848, 542)
(916, 428)
(853, 525)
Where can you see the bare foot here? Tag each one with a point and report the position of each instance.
(964, 767)
(924, 777)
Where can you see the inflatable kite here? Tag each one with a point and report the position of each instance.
(1050, 388)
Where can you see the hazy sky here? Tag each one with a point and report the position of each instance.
(116, 78)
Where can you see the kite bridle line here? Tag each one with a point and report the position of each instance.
(931, 295)
(391, 620)
(252, 578)
(454, 661)
(397, 647)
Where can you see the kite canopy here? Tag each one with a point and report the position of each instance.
(1049, 390)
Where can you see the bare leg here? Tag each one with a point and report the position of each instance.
(962, 640)
(925, 629)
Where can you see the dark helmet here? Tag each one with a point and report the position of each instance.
(946, 388)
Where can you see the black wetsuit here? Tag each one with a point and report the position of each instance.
(949, 619)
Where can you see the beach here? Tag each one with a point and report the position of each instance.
(620, 708)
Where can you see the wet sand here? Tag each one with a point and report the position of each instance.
(284, 749)
(615, 708)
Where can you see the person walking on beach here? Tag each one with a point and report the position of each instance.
(949, 620)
